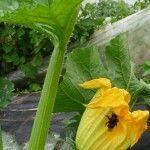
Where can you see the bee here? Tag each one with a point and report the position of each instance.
(113, 120)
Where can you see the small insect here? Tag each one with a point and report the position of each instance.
(112, 122)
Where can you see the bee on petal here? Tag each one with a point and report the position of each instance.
(112, 121)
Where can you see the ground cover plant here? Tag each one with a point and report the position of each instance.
(55, 19)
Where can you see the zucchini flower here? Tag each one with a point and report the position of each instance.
(107, 123)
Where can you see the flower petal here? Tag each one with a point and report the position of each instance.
(93, 132)
(99, 128)
(97, 83)
(138, 124)
(114, 98)
(127, 96)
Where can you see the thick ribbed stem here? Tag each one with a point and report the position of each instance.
(47, 100)
(44, 112)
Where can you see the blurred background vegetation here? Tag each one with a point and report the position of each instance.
(24, 49)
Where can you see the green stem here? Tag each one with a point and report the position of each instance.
(43, 116)
(1, 142)
(44, 112)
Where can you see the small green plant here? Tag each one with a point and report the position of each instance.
(145, 68)
(93, 17)
(6, 92)
(22, 47)
(146, 71)
(34, 87)
(141, 4)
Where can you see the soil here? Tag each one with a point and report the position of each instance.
(18, 117)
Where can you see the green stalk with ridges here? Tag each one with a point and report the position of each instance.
(47, 100)
(44, 113)
(56, 20)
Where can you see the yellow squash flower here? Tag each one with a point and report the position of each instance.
(107, 123)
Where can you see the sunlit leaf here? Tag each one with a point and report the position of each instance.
(82, 65)
(29, 70)
(121, 71)
(37, 60)
(48, 17)
(85, 64)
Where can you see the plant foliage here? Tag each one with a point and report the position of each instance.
(6, 89)
(54, 19)
(120, 69)
(81, 65)
(85, 64)
(21, 46)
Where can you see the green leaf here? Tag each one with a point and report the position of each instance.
(85, 64)
(87, 22)
(83, 40)
(34, 87)
(6, 89)
(146, 90)
(29, 70)
(7, 47)
(81, 65)
(147, 72)
(7, 67)
(22, 59)
(48, 17)
(147, 100)
(11, 57)
(7, 31)
(37, 60)
(121, 72)
(20, 32)
(69, 143)
(36, 38)
(72, 121)
(99, 20)
(146, 68)
(146, 64)
(119, 67)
